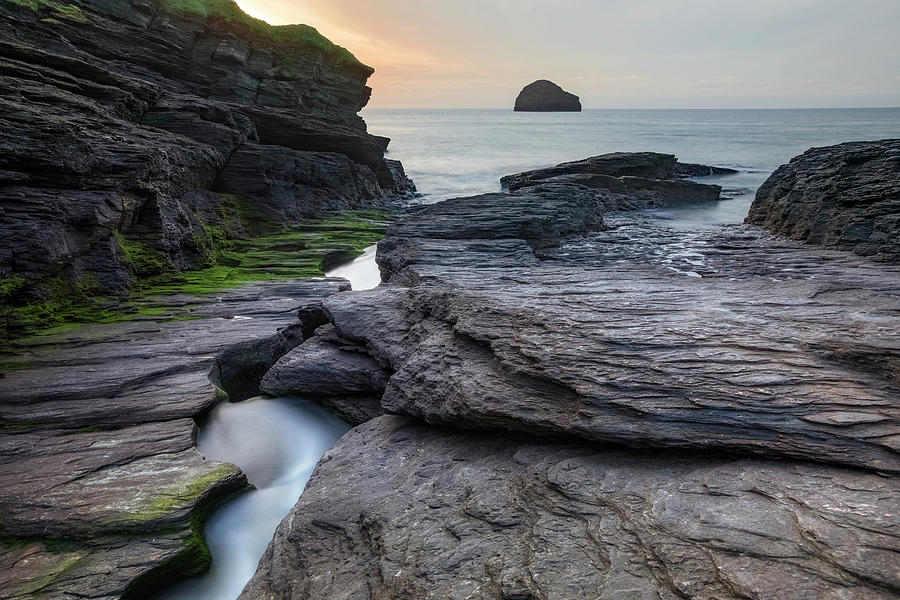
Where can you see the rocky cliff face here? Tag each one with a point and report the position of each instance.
(845, 196)
(594, 405)
(546, 96)
(164, 126)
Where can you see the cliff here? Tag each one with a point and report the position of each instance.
(142, 137)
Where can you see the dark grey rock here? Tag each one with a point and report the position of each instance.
(335, 372)
(845, 196)
(743, 345)
(525, 329)
(101, 479)
(546, 96)
(291, 185)
(432, 513)
(122, 123)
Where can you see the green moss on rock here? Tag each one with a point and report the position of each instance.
(194, 558)
(237, 245)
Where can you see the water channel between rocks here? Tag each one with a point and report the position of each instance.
(277, 443)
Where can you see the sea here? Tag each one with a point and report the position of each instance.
(453, 153)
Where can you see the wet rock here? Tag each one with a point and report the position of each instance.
(737, 345)
(101, 477)
(745, 388)
(113, 122)
(637, 179)
(333, 371)
(465, 515)
(546, 96)
(845, 196)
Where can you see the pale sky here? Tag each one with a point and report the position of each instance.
(615, 53)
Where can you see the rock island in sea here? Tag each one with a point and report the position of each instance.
(546, 96)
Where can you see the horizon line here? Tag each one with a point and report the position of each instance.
(635, 108)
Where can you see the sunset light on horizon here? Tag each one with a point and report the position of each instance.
(646, 54)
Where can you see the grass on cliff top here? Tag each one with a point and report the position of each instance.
(289, 37)
(57, 10)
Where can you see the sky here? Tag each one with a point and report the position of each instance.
(615, 53)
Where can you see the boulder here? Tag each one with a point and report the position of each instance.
(546, 96)
(845, 196)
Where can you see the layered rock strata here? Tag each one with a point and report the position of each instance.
(168, 124)
(432, 513)
(607, 408)
(103, 491)
(845, 196)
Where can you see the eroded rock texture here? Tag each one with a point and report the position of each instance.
(436, 514)
(845, 196)
(746, 387)
(103, 489)
(133, 119)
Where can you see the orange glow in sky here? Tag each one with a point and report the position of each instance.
(640, 53)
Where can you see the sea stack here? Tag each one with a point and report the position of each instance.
(546, 96)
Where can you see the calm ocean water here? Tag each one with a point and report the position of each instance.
(452, 153)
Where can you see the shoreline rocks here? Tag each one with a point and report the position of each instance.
(587, 404)
(463, 515)
(104, 492)
(845, 196)
(546, 96)
(134, 122)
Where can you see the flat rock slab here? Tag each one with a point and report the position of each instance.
(727, 339)
(334, 372)
(99, 470)
(431, 513)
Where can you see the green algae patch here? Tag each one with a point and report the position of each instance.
(194, 558)
(45, 567)
(185, 494)
(285, 38)
(275, 252)
(241, 246)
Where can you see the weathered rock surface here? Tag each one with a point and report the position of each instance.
(131, 118)
(722, 350)
(102, 485)
(845, 196)
(333, 371)
(546, 96)
(745, 388)
(431, 513)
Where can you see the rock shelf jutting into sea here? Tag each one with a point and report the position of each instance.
(553, 389)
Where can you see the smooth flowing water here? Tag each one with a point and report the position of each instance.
(362, 272)
(277, 443)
